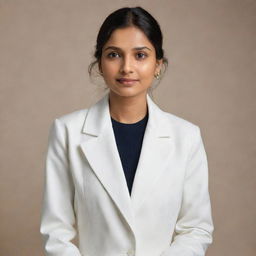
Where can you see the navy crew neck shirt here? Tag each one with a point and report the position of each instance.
(129, 138)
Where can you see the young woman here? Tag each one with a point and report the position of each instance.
(133, 178)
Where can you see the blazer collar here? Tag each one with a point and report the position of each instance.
(99, 148)
(98, 117)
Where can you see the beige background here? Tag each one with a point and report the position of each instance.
(45, 49)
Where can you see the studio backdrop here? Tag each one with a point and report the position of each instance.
(45, 50)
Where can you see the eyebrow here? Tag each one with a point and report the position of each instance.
(135, 48)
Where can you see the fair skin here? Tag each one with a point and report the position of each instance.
(121, 58)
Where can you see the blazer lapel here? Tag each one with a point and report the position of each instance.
(156, 148)
(101, 151)
(99, 147)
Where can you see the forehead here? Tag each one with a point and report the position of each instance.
(129, 37)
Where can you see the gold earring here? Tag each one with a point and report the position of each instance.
(157, 76)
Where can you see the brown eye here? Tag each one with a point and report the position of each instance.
(141, 55)
(112, 54)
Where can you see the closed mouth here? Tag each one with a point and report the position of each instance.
(126, 80)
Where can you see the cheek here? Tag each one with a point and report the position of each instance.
(147, 70)
(110, 67)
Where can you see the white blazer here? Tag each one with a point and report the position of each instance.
(169, 210)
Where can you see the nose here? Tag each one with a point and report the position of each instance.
(126, 65)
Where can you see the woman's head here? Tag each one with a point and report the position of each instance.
(129, 27)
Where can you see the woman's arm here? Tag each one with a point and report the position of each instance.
(194, 227)
(57, 217)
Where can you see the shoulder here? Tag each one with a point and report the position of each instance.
(71, 120)
(73, 116)
(171, 123)
(184, 131)
(77, 118)
(181, 125)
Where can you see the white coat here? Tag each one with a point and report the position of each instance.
(169, 210)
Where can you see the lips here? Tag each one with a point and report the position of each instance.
(126, 80)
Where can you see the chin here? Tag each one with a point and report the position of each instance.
(126, 92)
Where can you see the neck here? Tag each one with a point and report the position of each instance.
(127, 109)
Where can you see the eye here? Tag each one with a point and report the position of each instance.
(142, 55)
(112, 54)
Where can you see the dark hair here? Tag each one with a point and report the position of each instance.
(127, 17)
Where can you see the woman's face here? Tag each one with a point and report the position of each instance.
(128, 54)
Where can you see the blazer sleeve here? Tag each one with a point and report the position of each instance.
(194, 226)
(57, 215)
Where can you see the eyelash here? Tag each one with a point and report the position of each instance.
(109, 55)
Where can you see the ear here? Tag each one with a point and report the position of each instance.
(159, 64)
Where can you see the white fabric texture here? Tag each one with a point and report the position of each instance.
(169, 210)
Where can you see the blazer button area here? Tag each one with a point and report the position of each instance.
(130, 252)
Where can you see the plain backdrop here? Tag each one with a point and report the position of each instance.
(45, 49)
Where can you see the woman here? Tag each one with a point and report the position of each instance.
(132, 177)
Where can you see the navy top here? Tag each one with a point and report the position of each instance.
(129, 138)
